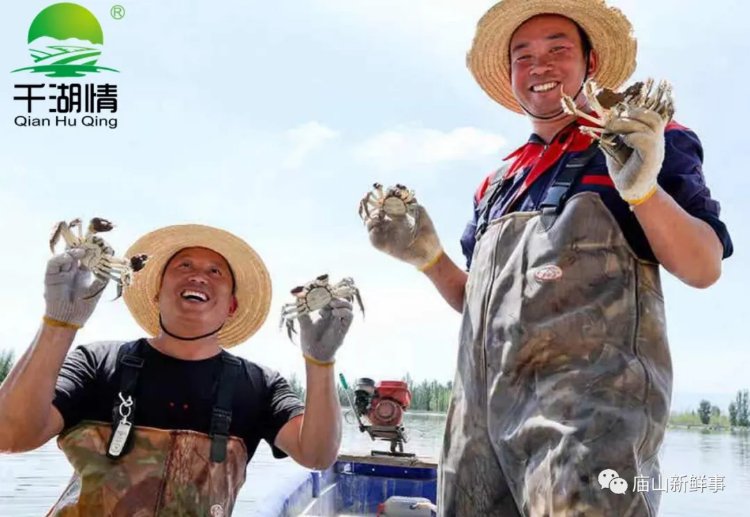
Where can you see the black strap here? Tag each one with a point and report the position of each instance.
(488, 199)
(560, 190)
(130, 359)
(221, 415)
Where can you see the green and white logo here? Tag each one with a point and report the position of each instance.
(65, 40)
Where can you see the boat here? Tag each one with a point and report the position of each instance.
(384, 484)
(360, 485)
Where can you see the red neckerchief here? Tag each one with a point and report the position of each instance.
(540, 157)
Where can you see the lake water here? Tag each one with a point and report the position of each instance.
(31, 482)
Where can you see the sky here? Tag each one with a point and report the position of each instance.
(273, 119)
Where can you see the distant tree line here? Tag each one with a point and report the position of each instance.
(6, 363)
(738, 414)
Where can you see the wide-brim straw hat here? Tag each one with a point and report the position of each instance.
(609, 31)
(252, 281)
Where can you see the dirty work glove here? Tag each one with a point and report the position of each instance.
(409, 237)
(70, 294)
(642, 130)
(321, 338)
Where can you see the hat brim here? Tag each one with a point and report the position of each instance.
(252, 280)
(609, 31)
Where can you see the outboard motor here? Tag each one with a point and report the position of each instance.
(383, 405)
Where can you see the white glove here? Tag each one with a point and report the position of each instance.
(410, 237)
(321, 339)
(642, 130)
(70, 294)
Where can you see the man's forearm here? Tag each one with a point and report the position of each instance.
(26, 394)
(686, 246)
(449, 280)
(320, 435)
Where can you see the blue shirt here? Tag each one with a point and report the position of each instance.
(536, 165)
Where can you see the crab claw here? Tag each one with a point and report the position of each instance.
(97, 224)
(119, 291)
(359, 302)
(290, 330)
(138, 262)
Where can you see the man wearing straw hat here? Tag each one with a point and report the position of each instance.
(564, 377)
(166, 425)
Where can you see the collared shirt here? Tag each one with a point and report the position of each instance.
(536, 165)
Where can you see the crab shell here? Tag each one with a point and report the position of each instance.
(317, 298)
(394, 205)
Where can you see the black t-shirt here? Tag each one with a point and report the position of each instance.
(174, 393)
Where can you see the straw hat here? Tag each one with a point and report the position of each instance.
(608, 29)
(252, 281)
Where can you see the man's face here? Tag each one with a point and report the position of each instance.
(546, 53)
(196, 291)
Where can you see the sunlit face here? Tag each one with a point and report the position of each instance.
(546, 53)
(196, 291)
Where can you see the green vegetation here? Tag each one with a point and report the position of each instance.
(710, 416)
(6, 363)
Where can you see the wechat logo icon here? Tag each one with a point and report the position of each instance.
(65, 40)
(610, 480)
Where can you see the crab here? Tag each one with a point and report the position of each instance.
(314, 296)
(397, 200)
(99, 257)
(610, 105)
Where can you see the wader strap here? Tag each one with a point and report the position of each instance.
(130, 360)
(488, 199)
(221, 415)
(560, 190)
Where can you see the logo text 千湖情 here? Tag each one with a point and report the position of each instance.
(65, 41)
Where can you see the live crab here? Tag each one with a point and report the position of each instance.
(395, 201)
(99, 256)
(314, 296)
(610, 105)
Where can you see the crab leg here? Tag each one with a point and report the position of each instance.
(363, 207)
(590, 92)
(116, 260)
(76, 223)
(359, 302)
(63, 230)
(105, 274)
(569, 106)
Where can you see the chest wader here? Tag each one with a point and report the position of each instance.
(158, 472)
(563, 367)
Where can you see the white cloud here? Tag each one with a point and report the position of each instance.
(305, 139)
(405, 147)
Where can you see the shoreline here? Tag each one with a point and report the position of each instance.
(710, 428)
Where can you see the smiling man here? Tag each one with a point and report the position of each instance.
(564, 369)
(168, 424)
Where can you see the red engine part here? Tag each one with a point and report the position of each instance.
(396, 390)
(389, 402)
